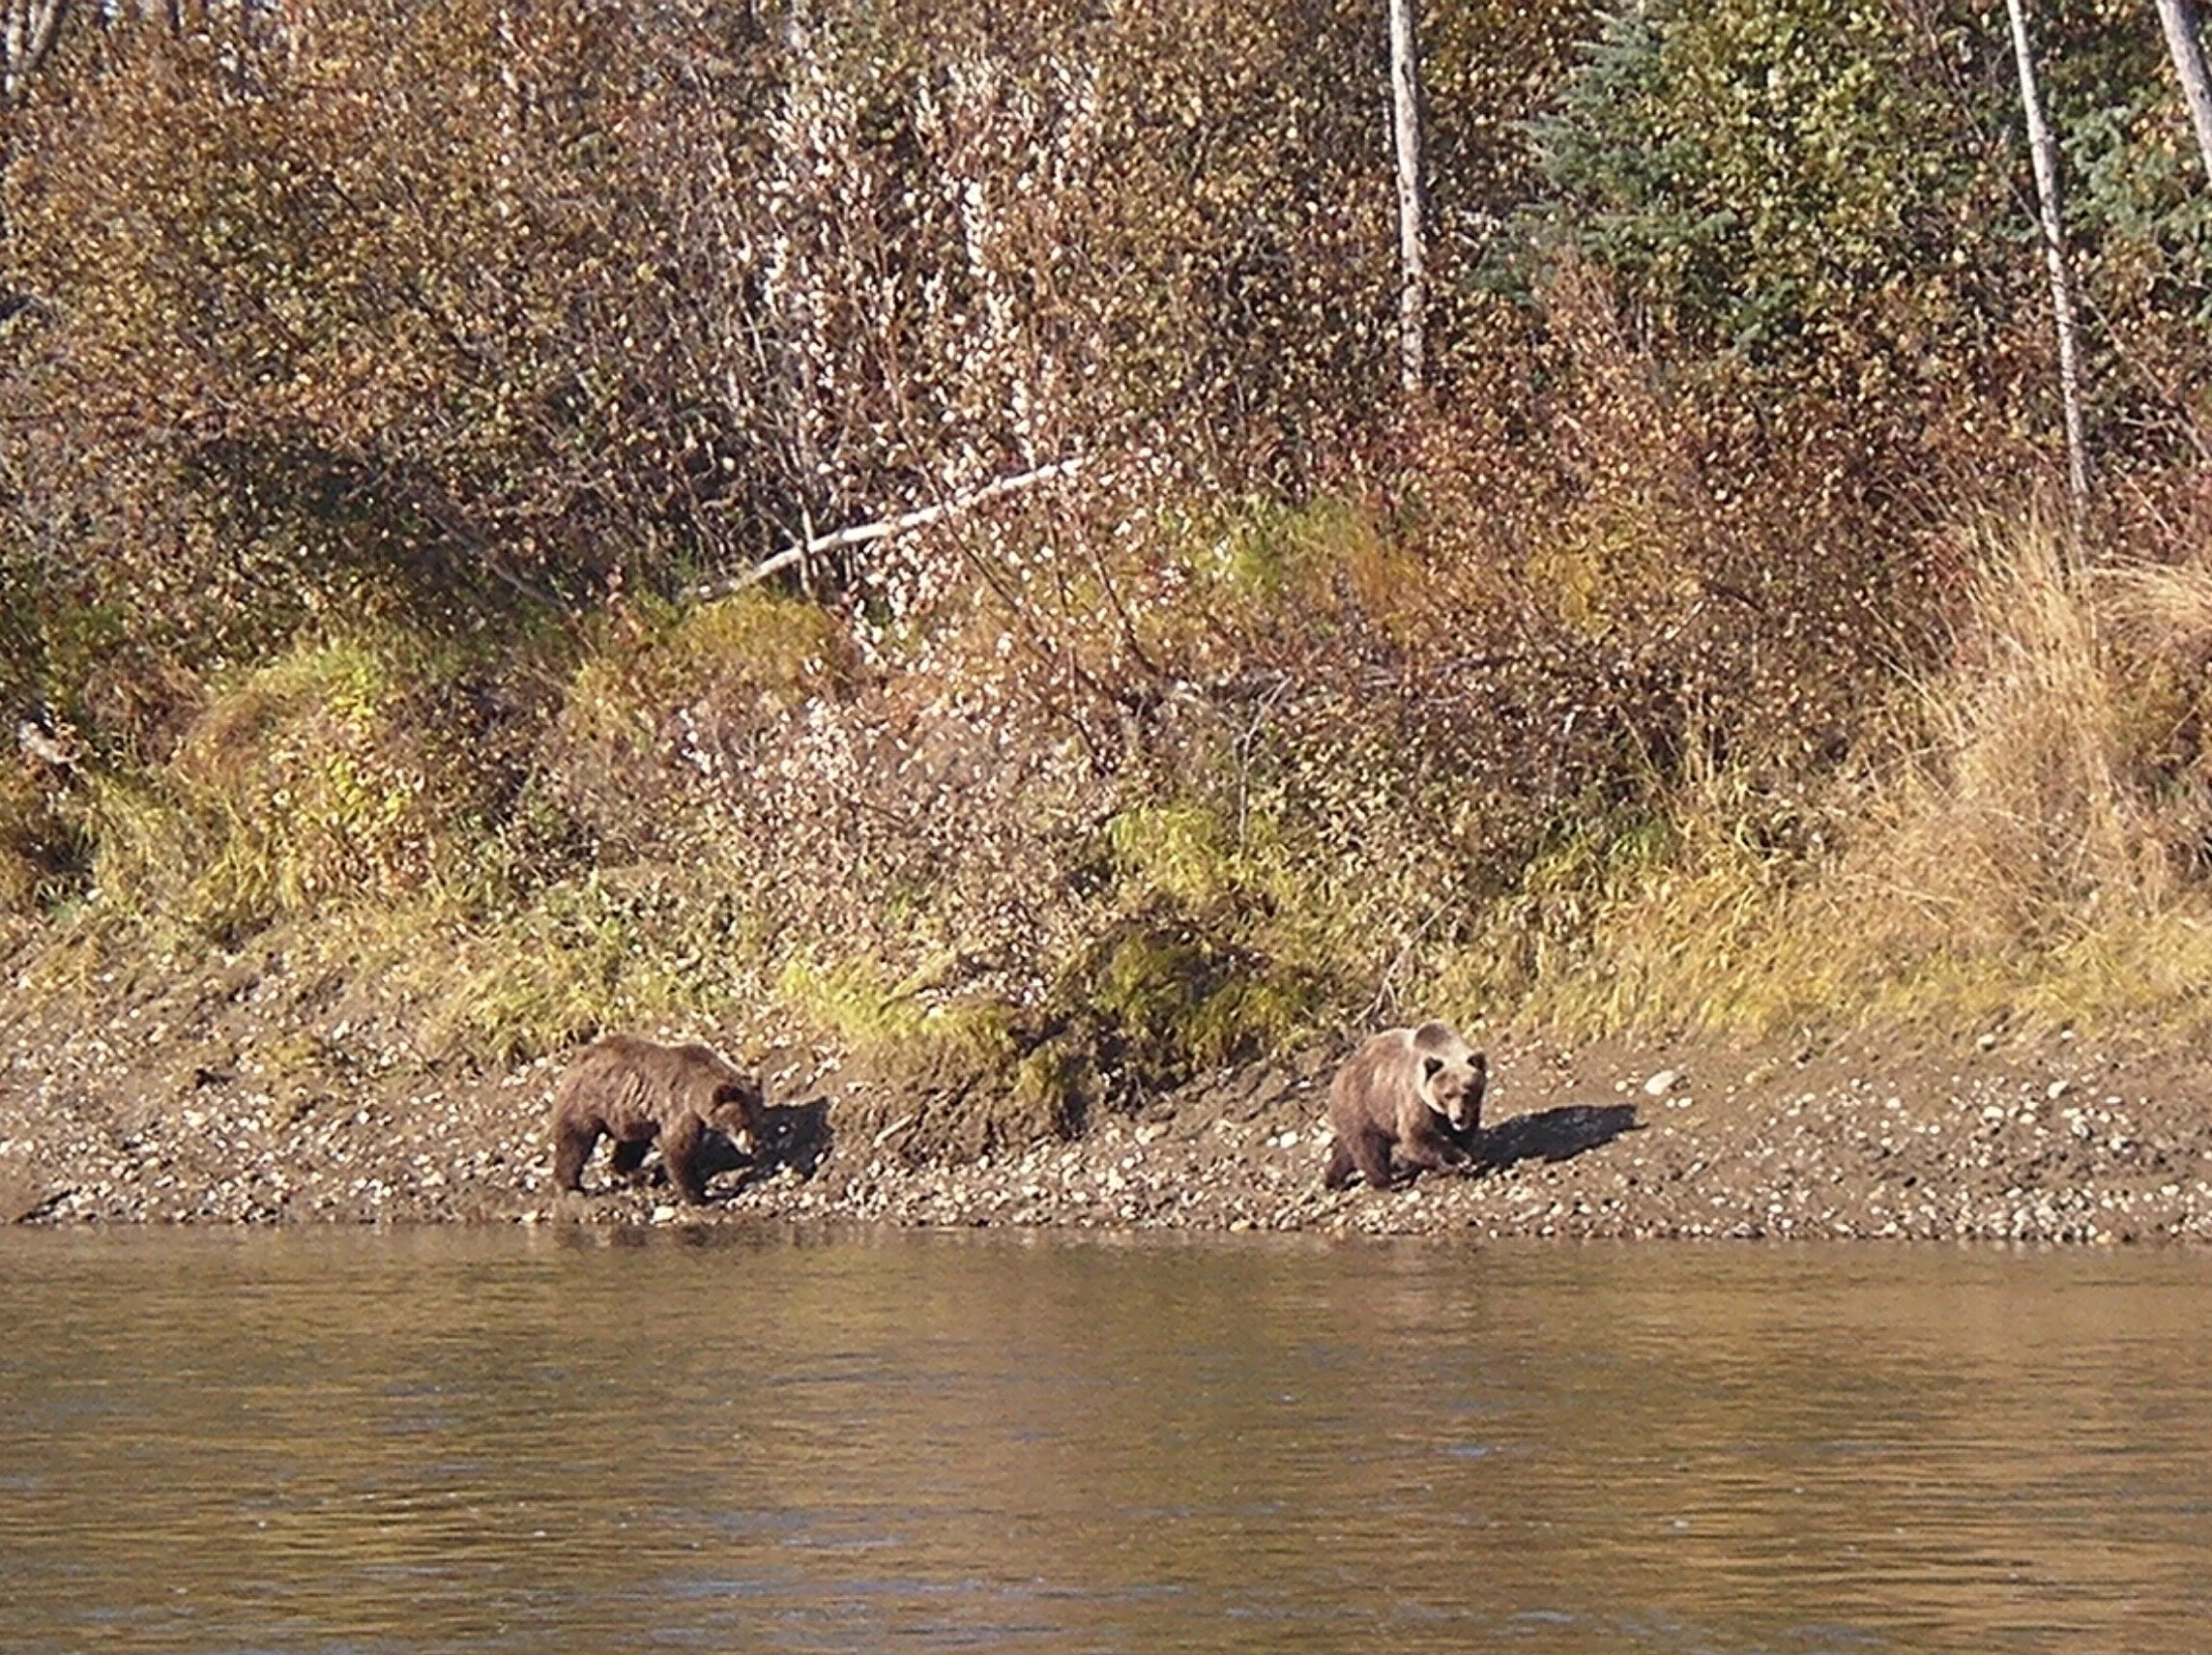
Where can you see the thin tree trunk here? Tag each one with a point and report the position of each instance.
(1413, 257)
(26, 35)
(2044, 154)
(2179, 17)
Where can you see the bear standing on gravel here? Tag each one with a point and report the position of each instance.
(1418, 1092)
(638, 1093)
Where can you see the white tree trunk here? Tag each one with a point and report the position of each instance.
(1412, 256)
(26, 35)
(2179, 18)
(2044, 151)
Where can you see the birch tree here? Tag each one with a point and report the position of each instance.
(27, 36)
(2042, 149)
(1412, 254)
(2182, 41)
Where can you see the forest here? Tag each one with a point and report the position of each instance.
(905, 520)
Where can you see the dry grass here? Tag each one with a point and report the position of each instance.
(331, 775)
(2021, 845)
(24, 815)
(2022, 841)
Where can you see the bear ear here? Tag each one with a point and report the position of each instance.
(1431, 1067)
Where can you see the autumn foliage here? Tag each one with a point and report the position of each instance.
(386, 386)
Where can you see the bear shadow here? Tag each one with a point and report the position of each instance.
(1550, 1134)
(794, 1135)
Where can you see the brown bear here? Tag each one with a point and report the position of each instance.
(639, 1092)
(1415, 1092)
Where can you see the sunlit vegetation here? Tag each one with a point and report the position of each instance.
(398, 396)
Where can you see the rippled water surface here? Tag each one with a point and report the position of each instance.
(452, 1442)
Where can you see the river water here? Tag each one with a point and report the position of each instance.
(446, 1441)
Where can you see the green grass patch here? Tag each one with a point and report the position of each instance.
(654, 657)
(337, 774)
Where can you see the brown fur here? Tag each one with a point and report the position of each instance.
(639, 1092)
(1415, 1094)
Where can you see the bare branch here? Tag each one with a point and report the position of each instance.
(882, 529)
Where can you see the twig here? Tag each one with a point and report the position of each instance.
(1382, 990)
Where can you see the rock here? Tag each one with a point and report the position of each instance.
(1661, 1084)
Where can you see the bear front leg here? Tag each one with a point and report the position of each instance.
(680, 1152)
(1433, 1151)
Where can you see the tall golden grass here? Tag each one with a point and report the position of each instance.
(2023, 839)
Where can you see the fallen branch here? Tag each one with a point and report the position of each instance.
(882, 529)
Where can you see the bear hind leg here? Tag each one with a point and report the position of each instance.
(573, 1142)
(630, 1155)
(1371, 1153)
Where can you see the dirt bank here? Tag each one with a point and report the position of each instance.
(236, 1097)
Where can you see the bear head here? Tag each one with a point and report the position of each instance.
(1453, 1075)
(738, 1110)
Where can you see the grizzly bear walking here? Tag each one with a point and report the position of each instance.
(639, 1092)
(1415, 1092)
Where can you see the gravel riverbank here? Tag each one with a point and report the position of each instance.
(162, 1116)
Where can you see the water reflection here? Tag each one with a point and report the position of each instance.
(444, 1441)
